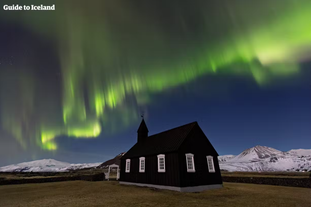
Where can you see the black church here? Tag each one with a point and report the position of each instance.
(180, 159)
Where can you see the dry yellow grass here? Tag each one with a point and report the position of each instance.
(83, 193)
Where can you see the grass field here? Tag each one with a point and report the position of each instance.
(82, 193)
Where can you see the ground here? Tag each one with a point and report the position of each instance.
(110, 193)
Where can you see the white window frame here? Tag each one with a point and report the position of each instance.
(140, 161)
(189, 155)
(160, 157)
(128, 165)
(211, 168)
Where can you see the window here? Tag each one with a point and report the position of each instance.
(141, 164)
(190, 163)
(161, 163)
(210, 164)
(128, 165)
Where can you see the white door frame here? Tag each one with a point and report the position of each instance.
(118, 171)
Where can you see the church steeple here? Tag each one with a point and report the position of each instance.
(142, 132)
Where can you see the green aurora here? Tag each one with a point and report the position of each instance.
(112, 50)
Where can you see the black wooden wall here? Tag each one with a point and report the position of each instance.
(198, 144)
(151, 175)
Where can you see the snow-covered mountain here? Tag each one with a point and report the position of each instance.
(45, 165)
(261, 158)
(256, 154)
(258, 158)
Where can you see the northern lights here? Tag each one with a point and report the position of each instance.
(115, 55)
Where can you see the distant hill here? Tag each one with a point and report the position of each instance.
(115, 160)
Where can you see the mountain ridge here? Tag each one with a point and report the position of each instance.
(262, 158)
(258, 158)
(46, 165)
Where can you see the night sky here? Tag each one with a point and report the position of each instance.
(75, 81)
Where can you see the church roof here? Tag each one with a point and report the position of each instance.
(164, 142)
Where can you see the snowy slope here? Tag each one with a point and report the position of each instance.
(300, 152)
(45, 165)
(261, 158)
(225, 158)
